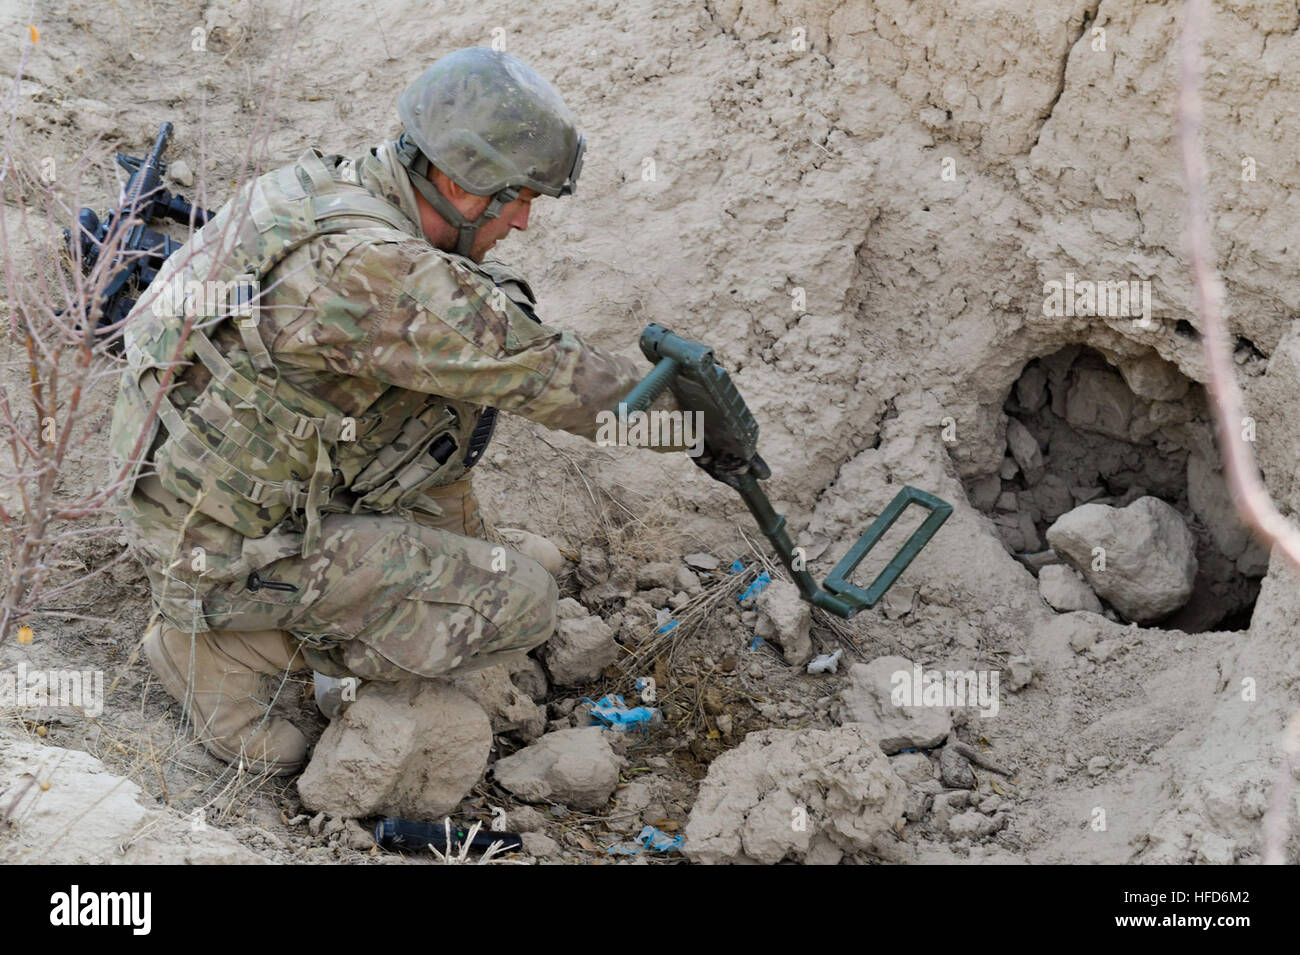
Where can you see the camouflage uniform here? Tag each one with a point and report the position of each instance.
(262, 513)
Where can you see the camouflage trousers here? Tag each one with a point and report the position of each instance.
(383, 598)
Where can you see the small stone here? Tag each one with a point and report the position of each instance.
(540, 845)
(687, 580)
(702, 561)
(899, 601)
(1024, 448)
(1065, 590)
(1020, 670)
(356, 837)
(1098, 765)
(912, 768)
(785, 618)
(656, 575)
(954, 770)
(574, 766)
(524, 819)
(580, 648)
(180, 172)
(868, 697)
(984, 492)
(971, 824)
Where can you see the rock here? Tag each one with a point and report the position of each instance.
(530, 676)
(1024, 448)
(972, 824)
(1082, 495)
(1031, 388)
(984, 492)
(658, 574)
(593, 567)
(1065, 590)
(1008, 469)
(1006, 502)
(802, 795)
(1020, 670)
(1207, 493)
(898, 601)
(618, 585)
(946, 805)
(866, 698)
(91, 816)
(1051, 496)
(524, 819)
(1149, 555)
(912, 768)
(954, 770)
(785, 619)
(576, 767)
(1213, 849)
(1098, 765)
(686, 580)
(1099, 401)
(355, 836)
(510, 709)
(540, 845)
(580, 648)
(1254, 560)
(1029, 538)
(178, 170)
(535, 546)
(1154, 378)
(412, 749)
(702, 561)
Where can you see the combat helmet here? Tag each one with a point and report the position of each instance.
(494, 126)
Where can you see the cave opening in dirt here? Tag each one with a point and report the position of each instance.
(1083, 431)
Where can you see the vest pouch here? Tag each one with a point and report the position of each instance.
(405, 489)
(219, 452)
(422, 454)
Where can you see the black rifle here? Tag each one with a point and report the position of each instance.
(139, 254)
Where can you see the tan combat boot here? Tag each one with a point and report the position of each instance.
(226, 680)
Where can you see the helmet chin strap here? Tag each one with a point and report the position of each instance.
(417, 167)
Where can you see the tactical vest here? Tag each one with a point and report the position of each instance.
(252, 451)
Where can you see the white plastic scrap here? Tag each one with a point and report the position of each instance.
(827, 662)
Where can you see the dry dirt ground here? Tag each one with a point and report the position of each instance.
(858, 205)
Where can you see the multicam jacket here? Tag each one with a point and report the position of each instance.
(342, 363)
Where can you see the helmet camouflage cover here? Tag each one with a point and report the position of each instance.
(491, 122)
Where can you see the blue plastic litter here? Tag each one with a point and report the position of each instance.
(668, 626)
(757, 587)
(756, 643)
(648, 838)
(657, 841)
(736, 566)
(613, 713)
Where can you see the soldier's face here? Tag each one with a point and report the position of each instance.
(513, 216)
